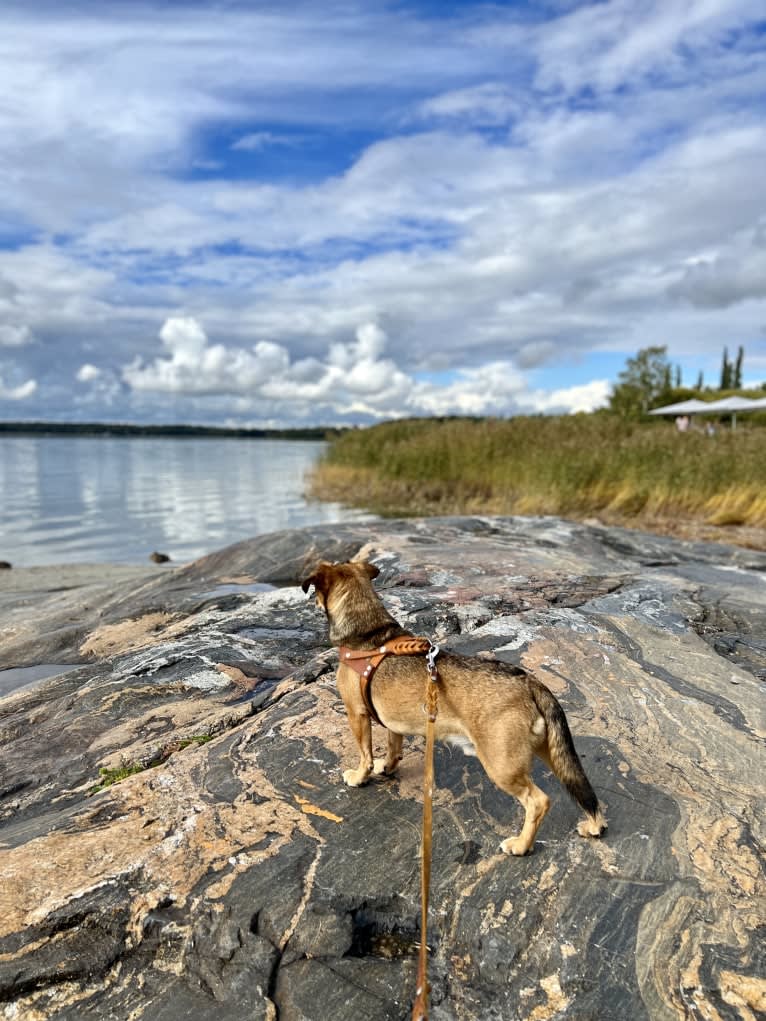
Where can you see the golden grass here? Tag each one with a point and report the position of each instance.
(575, 466)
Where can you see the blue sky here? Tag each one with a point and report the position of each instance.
(283, 214)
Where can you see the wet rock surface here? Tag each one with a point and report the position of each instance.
(231, 874)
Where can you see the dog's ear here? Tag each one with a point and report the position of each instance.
(370, 570)
(320, 579)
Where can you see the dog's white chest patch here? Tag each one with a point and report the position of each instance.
(459, 741)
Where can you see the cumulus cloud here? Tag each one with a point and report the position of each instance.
(194, 367)
(354, 378)
(353, 373)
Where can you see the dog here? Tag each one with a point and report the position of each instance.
(494, 710)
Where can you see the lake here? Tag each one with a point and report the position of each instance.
(91, 499)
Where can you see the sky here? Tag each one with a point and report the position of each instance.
(277, 214)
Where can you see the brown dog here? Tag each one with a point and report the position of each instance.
(492, 709)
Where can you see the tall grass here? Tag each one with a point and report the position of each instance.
(576, 465)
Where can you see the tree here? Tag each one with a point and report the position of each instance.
(641, 382)
(737, 381)
(726, 371)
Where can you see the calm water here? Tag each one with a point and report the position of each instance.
(90, 499)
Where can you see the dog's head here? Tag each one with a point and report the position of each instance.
(328, 579)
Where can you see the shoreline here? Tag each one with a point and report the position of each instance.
(49, 578)
(58, 577)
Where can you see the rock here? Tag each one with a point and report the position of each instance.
(159, 558)
(5, 566)
(229, 873)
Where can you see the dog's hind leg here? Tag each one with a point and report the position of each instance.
(393, 757)
(512, 776)
(536, 804)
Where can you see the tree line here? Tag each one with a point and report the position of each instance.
(169, 429)
(649, 380)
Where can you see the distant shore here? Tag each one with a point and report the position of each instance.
(320, 432)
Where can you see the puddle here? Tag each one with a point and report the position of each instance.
(227, 590)
(25, 676)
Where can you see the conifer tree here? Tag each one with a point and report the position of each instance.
(725, 371)
(737, 381)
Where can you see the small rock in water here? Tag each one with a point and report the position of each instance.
(159, 558)
(4, 565)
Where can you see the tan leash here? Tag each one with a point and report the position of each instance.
(420, 1006)
(365, 662)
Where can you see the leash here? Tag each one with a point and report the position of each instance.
(365, 663)
(422, 989)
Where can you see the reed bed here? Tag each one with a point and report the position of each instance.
(576, 466)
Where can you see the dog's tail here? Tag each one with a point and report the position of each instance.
(565, 761)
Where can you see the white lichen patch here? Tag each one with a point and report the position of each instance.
(207, 680)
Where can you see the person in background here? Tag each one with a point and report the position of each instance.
(682, 423)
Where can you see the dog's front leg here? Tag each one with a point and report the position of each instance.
(361, 727)
(360, 723)
(393, 757)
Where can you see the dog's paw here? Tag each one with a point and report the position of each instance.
(380, 767)
(515, 845)
(353, 778)
(592, 827)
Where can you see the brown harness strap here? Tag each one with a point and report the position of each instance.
(366, 661)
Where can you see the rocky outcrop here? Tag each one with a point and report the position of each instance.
(228, 873)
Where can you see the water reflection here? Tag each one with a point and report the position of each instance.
(77, 499)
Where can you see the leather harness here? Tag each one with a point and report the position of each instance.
(365, 662)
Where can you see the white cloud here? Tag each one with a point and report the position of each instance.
(257, 140)
(353, 372)
(608, 45)
(355, 377)
(197, 368)
(87, 373)
(569, 400)
(17, 393)
(487, 104)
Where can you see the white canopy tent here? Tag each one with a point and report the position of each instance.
(682, 408)
(727, 405)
